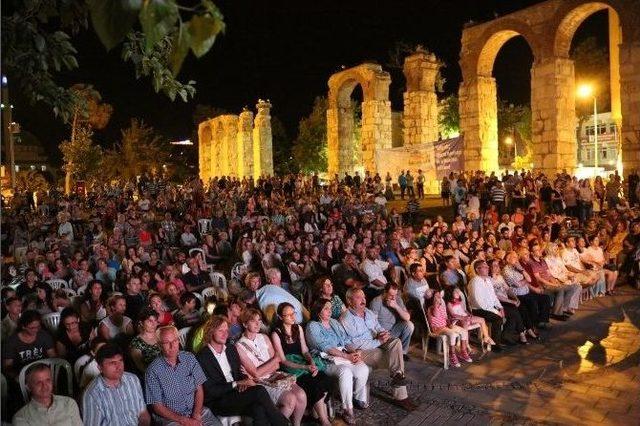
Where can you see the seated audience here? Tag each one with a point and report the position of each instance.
(116, 325)
(325, 334)
(114, 398)
(45, 408)
(144, 348)
(440, 323)
(260, 361)
(378, 348)
(228, 391)
(393, 315)
(173, 384)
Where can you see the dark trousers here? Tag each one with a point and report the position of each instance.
(514, 325)
(420, 187)
(253, 402)
(494, 321)
(537, 305)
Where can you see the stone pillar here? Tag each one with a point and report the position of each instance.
(420, 100)
(479, 123)
(347, 148)
(202, 165)
(333, 142)
(376, 130)
(230, 131)
(217, 153)
(615, 38)
(262, 140)
(553, 128)
(244, 143)
(630, 89)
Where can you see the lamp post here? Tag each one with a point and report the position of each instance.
(511, 141)
(586, 91)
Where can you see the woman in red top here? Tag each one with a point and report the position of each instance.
(157, 304)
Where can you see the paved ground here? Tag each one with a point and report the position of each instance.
(587, 371)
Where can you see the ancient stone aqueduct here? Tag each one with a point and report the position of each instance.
(548, 28)
(236, 145)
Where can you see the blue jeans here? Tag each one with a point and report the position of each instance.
(403, 330)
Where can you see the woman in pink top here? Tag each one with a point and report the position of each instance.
(457, 310)
(440, 324)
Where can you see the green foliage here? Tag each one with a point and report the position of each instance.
(283, 162)
(81, 156)
(31, 181)
(154, 63)
(310, 147)
(141, 150)
(449, 117)
(37, 45)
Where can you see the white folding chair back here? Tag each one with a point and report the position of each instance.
(196, 250)
(57, 366)
(183, 333)
(334, 268)
(209, 292)
(57, 283)
(204, 226)
(81, 290)
(218, 280)
(238, 270)
(230, 421)
(51, 321)
(201, 299)
(70, 292)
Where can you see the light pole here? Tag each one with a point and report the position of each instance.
(511, 141)
(586, 91)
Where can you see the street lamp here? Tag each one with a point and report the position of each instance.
(586, 91)
(510, 141)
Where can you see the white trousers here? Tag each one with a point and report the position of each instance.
(352, 379)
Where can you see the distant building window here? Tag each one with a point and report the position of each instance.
(43, 168)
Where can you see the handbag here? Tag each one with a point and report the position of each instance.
(334, 359)
(299, 359)
(279, 380)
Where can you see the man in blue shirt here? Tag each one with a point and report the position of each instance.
(174, 385)
(114, 398)
(379, 349)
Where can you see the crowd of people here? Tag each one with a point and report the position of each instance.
(181, 304)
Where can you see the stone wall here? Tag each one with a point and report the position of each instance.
(236, 146)
(420, 100)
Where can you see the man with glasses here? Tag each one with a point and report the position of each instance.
(114, 398)
(174, 385)
(484, 302)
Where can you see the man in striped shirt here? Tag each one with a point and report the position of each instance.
(114, 398)
(498, 195)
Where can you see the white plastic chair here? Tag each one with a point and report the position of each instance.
(183, 333)
(334, 268)
(218, 280)
(70, 292)
(208, 292)
(196, 250)
(442, 340)
(201, 299)
(81, 290)
(52, 321)
(230, 421)
(56, 365)
(204, 226)
(57, 283)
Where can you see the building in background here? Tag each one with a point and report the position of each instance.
(608, 142)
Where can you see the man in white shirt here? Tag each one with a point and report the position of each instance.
(45, 408)
(228, 391)
(484, 302)
(374, 268)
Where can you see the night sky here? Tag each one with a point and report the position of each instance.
(286, 51)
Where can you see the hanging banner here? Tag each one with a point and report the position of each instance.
(449, 156)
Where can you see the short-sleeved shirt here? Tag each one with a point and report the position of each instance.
(113, 406)
(386, 317)
(63, 411)
(174, 387)
(24, 353)
(540, 267)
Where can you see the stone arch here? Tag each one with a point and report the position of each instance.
(376, 117)
(478, 93)
(204, 151)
